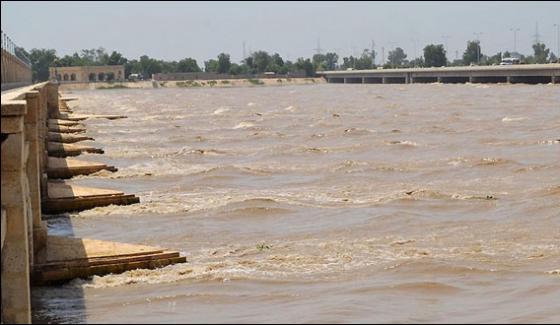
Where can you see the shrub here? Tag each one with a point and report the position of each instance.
(256, 81)
(115, 86)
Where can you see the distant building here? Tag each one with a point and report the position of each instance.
(87, 73)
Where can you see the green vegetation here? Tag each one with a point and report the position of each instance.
(255, 81)
(212, 83)
(363, 62)
(434, 56)
(397, 57)
(224, 64)
(224, 82)
(261, 61)
(187, 84)
(115, 86)
(263, 246)
(472, 53)
(279, 80)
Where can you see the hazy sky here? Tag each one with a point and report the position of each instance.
(175, 30)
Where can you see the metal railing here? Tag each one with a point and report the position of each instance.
(9, 46)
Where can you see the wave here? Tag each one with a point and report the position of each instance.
(437, 195)
(488, 161)
(405, 143)
(513, 119)
(244, 125)
(221, 111)
(481, 162)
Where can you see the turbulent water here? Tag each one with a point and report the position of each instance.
(326, 203)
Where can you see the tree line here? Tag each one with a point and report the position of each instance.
(434, 55)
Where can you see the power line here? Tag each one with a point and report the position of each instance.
(318, 50)
(537, 36)
(445, 38)
(372, 52)
(514, 30)
(478, 40)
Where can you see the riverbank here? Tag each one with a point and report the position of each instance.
(221, 83)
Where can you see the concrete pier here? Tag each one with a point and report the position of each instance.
(33, 119)
(531, 74)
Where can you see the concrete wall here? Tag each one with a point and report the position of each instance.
(15, 72)
(86, 73)
(220, 76)
(25, 114)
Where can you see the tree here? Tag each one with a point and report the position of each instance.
(261, 60)
(396, 57)
(223, 64)
(363, 62)
(434, 56)
(494, 59)
(132, 66)
(305, 65)
(319, 61)
(211, 65)
(472, 53)
(188, 65)
(116, 59)
(540, 53)
(331, 61)
(417, 62)
(277, 60)
(41, 60)
(553, 58)
(149, 66)
(168, 66)
(235, 69)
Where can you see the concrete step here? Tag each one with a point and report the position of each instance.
(66, 129)
(57, 149)
(61, 122)
(68, 167)
(65, 197)
(67, 258)
(67, 137)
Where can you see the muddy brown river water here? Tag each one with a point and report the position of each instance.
(325, 203)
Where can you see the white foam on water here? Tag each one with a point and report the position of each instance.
(221, 111)
(513, 119)
(243, 125)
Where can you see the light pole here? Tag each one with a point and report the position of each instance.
(414, 41)
(445, 38)
(557, 41)
(514, 30)
(478, 47)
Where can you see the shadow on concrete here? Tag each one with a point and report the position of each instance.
(63, 303)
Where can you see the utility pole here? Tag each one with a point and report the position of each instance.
(318, 50)
(478, 47)
(372, 53)
(557, 40)
(514, 30)
(445, 38)
(414, 41)
(537, 35)
(244, 52)
(382, 55)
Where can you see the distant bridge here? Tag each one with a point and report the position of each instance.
(531, 73)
